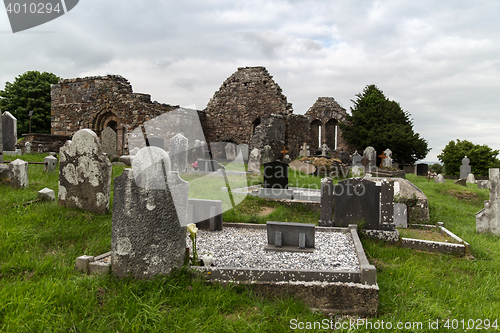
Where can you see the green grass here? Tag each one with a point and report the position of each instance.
(41, 292)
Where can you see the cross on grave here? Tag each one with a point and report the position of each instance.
(429, 174)
(382, 157)
(284, 151)
(364, 162)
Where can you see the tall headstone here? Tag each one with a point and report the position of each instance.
(356, 158)
(9, 131)
(147, 236)
(18, 171)
(276, 175)
(422, 169)
(231, 151)
(387, 203)
(108, 141)
(267, 155)
(178, 153)
(326, 202)
(465, 168)
(254, 161)
(387, 162)
(50, 163)
(27, 148)
(488, 219)
(371, 155)
(84, 173)
(243, 150)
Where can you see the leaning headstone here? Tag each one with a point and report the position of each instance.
(9, 131)
(439, 179)
(254, 161)
(147, 237)
(488, 219)
(27, 148)
(47, 194)
(18, 171)
(465, 168)
(471, 179)
(178, 153)
(371, 155)
(267, 155)
(387, 162)
(231, 151)
(326, 203)
(108, 141)
(276, 175)
(84, 173)
(50, 163)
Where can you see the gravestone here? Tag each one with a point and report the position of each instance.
(287, 159)
(147, 236)
(47, 194)
(344, 157)
(357, 200)
(400, 215)
(84, 173)
(471, 179)
(50, 163)
(9, 131)
(206, 214)
(439, 179)
(326, 202)
(27, 148)
(108, 141)
(488, 219)
(254, 161)
(356, 159)
(178, 153)
(387, 204)
(18, 172)
(40, 148)
(304, 151)
(276, 175)
(324, 150)
(267, 155)
(289, 236)
(387, 162)
(156, 142)
(243, 150)
(356, 171)
(465, 168)
(231, 151)
(1, 142)
(422, 169)
(371, 155)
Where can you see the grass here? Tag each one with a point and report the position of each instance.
(41, 292)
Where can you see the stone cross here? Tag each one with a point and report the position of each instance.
(324, 150)
(382, 157)
(488, 219)
(284, 152)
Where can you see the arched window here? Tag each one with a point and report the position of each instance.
(316, 134)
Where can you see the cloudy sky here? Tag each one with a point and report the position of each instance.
(439, 60)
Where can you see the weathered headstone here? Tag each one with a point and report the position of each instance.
(287, 159)
(254, 161)
(108, 141)
(18, 171)
(465, 168)
(387, 162)
(84, 173)
(471, 179)
(304, 151)
(231, 151)
(50, 163)
(47, 194)
(147, 237)
(27, 148)
(243, 150)
(267, 155)
(488, 219)
(9, 131)
(400, 215)
(206, 214)
(178, 153)
(356, 158)
(387, 203)
(326, 202)
(371, 155)
(356, 171)
(276, 175)
(40, 148)
(440, 179)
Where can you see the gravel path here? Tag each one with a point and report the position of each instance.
(244, 248)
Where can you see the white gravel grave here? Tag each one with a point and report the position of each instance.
(244, 248)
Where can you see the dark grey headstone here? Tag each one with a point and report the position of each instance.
(465, 168)
(422, 169)
(276, 175)
(326, 202)
(9, 131)
(109, 142)
(387, 204)
(356, 201)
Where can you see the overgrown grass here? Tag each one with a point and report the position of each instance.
(41, 292)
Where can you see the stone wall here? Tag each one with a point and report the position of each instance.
(297, 132)
(271, 131)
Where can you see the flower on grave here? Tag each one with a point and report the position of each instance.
(193, 231)
(195, 165)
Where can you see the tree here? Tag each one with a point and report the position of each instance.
(30, 91)
(481, 157)
(381, 123)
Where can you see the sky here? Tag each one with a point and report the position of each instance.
(439, 60)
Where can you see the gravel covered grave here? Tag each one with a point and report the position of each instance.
(244, 248)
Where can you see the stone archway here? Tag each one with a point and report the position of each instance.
(103, 120)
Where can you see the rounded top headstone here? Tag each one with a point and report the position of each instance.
(150, 167)
(465, 161)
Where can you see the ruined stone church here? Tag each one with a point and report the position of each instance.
(249, 108)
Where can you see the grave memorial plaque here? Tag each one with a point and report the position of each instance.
(276, 175)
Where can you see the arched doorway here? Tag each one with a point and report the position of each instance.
(104, 120)
(315, 134)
